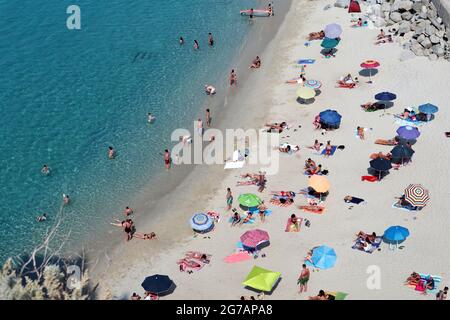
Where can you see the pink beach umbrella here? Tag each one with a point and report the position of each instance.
(253, 238)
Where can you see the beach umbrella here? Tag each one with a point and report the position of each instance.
(312, 84)
(408, 132)
(428, 108)
(249, 200)
(385, 96)
(319, 183)
(261, 279)
(332, 31)
(416, 195)
(330, 117)
(157, 284)
(253, 238)
(328, 43)
(395, 234)
(401, 152)
(323, 257)
(201, 222)
(380, 165)
(370, 64)
(306, 93)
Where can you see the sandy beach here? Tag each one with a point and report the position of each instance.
(265, 97)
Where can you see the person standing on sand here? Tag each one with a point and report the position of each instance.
(262, 211)
(208, 118)
(233, 78)
(229, 198)
(167, 159)
(210, 39)
(303, 279)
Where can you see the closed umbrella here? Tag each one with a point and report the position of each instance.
(312, 84)
(306, 93)
(330, 118)
(249, 200)
(332, 30)
(370, 64)
(408, 132)
(395, 235)
(157, 284)
(253, 238)
(380, 165)
(201, 222)
(323, 257)
(261, 279)
(416, 195)
(319, 183)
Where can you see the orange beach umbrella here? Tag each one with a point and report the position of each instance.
(319, 183)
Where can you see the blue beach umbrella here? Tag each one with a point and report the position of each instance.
(158, 284)
(323, 257)
(201, 222)
(330, 117)
(395, 234)
(385, 96)
(428, 108)
(328, 43)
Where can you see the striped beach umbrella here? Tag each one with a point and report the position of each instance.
(312, 84)
(201, 222)
(416, 195)
(370, 64)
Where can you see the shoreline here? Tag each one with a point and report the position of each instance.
(152, 215)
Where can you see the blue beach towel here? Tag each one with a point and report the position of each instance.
(401, 208)
(437, 281)
(333, 149)
(306, 61)
(252, 220)
(267, 213)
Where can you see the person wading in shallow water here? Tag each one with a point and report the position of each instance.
(167, 159)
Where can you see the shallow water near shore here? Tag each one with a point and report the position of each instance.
(68, 95)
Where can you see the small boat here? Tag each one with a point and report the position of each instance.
(256, 13)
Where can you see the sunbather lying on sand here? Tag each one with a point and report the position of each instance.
(322, 296)
(247, 218)
(413, 279)
(370, 106)
(369, 238)
(316, 35)
(381, 35)
(288, 148)
(202, 257)
(388, 39)
(189, 264)
(316, 122)
(145, 236)
(277, 127)
(387, 156)
(355, 200)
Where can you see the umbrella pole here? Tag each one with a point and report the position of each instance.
(370, 76)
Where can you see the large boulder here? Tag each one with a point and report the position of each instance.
(438, 50)
(406, 15)
(426, 43)
(404, 27)
(421, 38)
(417, 49)
(386, 6)
(342, 3)
(405, 5)
(417, 7)
(395, 16)
(434, 39)
(430, 30)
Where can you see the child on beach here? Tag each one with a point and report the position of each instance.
(360, 132)
(229, 198)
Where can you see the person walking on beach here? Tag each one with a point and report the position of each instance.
(167, 159)
(262, 211)
(181, 41)
(196, 46)
(229, 198)
(111, 153)
(210, 39)
(208, 118)
(303, 279)
(233, 78)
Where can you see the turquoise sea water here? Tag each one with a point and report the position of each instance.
(66, 95)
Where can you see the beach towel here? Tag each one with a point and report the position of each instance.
(369, 178)
(313, 209)
(424, 277)
(333, 150)
(354, 200)
(237, 257)
(306, 61)
(267, 213)
(374, 246)
(337, 294)
(276, 201)
(402, 122)
(395, 206)
(385, 142)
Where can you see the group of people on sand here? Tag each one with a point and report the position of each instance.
(236, 218)
(258, 179)
(128, 227)
(384, 38)
(365, 241)
(147, 296)
(417, 281)
(311, 168)
(193, 260)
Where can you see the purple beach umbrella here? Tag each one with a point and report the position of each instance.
(408, 132)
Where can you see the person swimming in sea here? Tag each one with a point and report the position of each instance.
(66, 199)
(45, 170)
(42, 218)
(196, 46)
(111, 153)
(181, 41)
(150, 117)
(210, 39)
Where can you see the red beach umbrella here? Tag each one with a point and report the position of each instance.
(253, 238)
(370, 64)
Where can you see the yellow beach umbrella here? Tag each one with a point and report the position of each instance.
(306, 93)
(319, 183)
(261, 279)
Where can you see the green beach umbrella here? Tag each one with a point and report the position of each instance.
(249, 200)
(261, 279)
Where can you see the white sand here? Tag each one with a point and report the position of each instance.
(415, 82)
